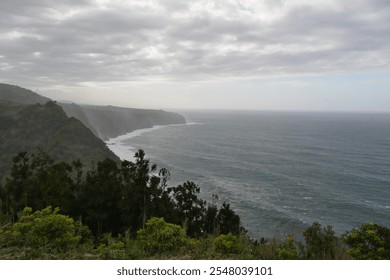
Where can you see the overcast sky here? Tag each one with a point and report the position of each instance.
(265, 54)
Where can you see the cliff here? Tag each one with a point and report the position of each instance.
(28, 128)
(109, 121)
(29, 122)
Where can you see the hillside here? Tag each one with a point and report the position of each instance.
(46, 127)
(109, 121)
(29, 122)
(20, 95)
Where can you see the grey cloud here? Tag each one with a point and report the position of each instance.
(170, 41)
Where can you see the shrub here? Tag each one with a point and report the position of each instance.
(46, 229)
(288, 249)
(111, 248)
(228, 244)
(161, 237)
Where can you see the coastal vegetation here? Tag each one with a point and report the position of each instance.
(67, 196)
(33, 127)
(57, 210)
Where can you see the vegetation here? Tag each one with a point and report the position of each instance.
(369, 241)
(109, 198)
(128, 211)
(46, 127)
(86, 204)
(161, 237)
(20, 95)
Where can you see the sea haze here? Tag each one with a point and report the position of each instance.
(280, 171)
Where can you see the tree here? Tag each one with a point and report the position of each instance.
(190, 209)
(101, 198)
(145, 194)
(369, 242)
(228, 220)
(37, 181)
(16, 188)
(320, 242)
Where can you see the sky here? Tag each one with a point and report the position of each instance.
(295, 55)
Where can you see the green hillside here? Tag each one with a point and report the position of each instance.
(20, 95)
(46, 127)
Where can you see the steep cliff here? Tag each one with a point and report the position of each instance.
(109, 121)
(28, 128)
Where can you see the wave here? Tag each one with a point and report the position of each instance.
(124, 151)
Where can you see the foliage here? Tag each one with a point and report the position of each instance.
(229, 221)
(30, 127)
(320, 242)
(288, 249)
(111, 198)
(210, 219)
(100, 195)
(45, 230)
(119, 204)
(20, 95)
(111, 248)
(190, 209)
(228, 244)
(38, 182)
(369, 242)
(161, 237)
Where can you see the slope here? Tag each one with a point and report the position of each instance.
(26, 127)
(20, 95)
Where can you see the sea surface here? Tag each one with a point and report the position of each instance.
(279, 171)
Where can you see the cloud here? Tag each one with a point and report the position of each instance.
(65, 42)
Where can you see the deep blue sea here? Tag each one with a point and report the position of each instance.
(280, 171)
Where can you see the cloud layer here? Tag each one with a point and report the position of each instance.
(70, 42)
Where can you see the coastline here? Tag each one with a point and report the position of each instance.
(125, 151)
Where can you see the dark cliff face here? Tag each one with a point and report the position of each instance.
(109, 121)
(46, 127)
(34, 124)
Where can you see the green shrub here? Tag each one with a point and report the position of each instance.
(288, 249)
(44, 230)
(228, 244)
(161, 237)
(111, 248)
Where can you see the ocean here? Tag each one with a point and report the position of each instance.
(280, 171)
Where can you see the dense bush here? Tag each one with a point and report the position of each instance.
(228, 244)
(369, 242)
(161, 237)
(289, 249)
(45, 230)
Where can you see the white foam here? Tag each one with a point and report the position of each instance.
(126, 152)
